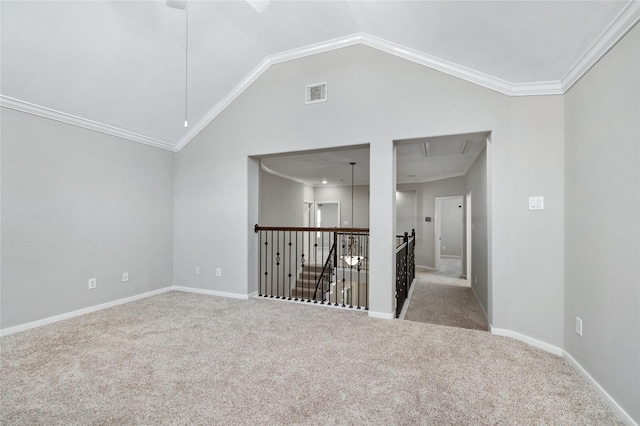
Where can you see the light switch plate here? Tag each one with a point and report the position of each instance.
(536, 203)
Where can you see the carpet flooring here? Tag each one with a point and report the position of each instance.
(180, 358)
(444, 300)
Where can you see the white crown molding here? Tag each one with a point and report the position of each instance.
(629, 16)
(29, 108)
(620, 26)
(256, 73)
(493, 83)
(468, 74)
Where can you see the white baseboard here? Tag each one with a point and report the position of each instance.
(405, 307)
(450, 256)
(210, 292)
(252, 295)
(56, 318)
(603, 393)
(382, 315)
(526, 339)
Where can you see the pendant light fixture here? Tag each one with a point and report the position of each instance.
(353, 256)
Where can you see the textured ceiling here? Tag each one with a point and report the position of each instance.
(118, 66)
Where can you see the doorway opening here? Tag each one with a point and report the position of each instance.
(452, 281)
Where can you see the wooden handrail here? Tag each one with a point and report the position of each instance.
(338, 230)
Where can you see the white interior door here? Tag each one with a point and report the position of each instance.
(453, 235)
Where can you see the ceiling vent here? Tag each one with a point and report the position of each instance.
(315, 93)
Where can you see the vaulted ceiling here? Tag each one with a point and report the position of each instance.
(119, 66)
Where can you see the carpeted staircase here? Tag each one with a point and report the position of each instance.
(306, 282)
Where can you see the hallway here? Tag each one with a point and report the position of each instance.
(443, 298)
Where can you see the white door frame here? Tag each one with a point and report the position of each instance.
(438, 228)
(315, 211)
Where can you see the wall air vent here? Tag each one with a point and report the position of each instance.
(315, 93)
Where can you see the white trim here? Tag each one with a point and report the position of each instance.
(405, 307)
(621, 25)
(72, 314)
(73, 120)
(468, 74)
(210, 292)
(382, 315)
(56, 318)
(526, 339)
(603, 393)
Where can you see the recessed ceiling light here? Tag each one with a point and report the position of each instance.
(324, 181)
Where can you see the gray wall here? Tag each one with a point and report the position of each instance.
(426, 200)
(602, 188)
(451, 226)
(476, 182)
(343, 194)
(422, 103)
(539, 124)
(281, 201)
(406, 211)
(77, 204)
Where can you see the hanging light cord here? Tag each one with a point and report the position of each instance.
(186, 63)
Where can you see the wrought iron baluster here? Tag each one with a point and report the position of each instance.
(271, 290)
(289, 280)
(296, 271)
(278, 265)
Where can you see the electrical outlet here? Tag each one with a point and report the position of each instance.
(125, 277)
(475, 280)
(197, 270)
(92, 283)
(218, 272)
(444, 248)
(579, 326)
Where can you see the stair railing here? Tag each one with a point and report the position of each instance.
(332, 253)
(405, 268)
(300, 264)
